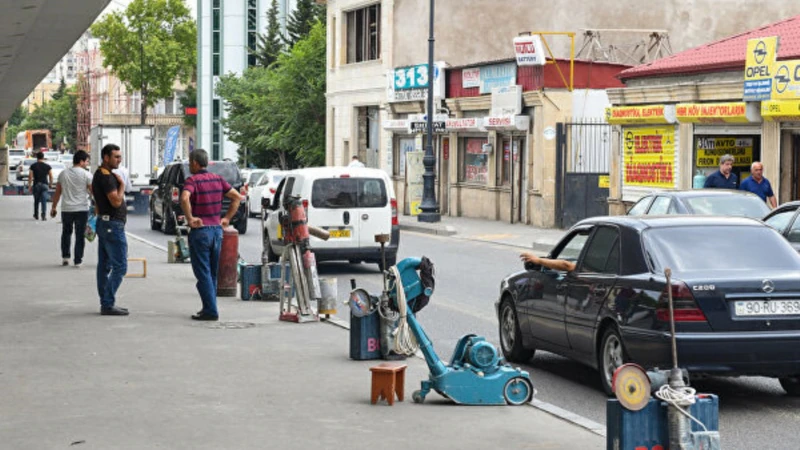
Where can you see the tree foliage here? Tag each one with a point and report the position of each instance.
(189, 100)
(15, 124)
(278, 113)
(302, 19)
(270, 45)
(59, 115)
(148, 46)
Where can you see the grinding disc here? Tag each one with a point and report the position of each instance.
(631, 386)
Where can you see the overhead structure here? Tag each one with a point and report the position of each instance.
(34, 35)
(643, 46)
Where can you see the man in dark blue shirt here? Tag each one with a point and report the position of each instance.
(757, 184)
(723, 178)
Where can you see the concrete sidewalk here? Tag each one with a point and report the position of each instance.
(70, 378)
(540, 240)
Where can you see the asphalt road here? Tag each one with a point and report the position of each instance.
(754, 411)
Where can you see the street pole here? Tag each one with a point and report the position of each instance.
(430, 212)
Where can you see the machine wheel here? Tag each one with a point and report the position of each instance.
(610, 358)
(511, 335)
(241, 226)
(518, 391)
(167, 223)
(271, 256)
(418, 397)
(153, 224)
(791, 385)
(389, 263)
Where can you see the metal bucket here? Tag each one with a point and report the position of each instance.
(329, 289)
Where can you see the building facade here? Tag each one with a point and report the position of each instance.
(68, 68)
(369, 41)
(227, 32)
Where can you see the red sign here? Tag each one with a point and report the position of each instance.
(190, 111)
(446, 149)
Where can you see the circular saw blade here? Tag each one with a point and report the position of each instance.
(631, 386)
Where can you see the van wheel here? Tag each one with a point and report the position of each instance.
(389, 263)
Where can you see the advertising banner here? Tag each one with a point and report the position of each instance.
(529, 51)
(649, 157)
(731, 112)
(498, 75)
(781, 110)
(170, 144)
(758, 73)
(645, 115)
(414, 171)
(710, 149)
(786, 85)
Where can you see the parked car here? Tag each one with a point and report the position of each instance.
(734, 314)
(56, 168)
(251, 176)
(716, 202)
(15, 156)
(24, 168)
(165, 197)
(66, 159)
(784, 219)
(264, 188)
(353, 204)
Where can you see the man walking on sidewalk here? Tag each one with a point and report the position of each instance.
(40, 177)
(201, 201)
(75, 185)
(110, 208)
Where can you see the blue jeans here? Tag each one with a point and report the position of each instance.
(40, 198)
(76, 220)
(204, 247)
(112, 259)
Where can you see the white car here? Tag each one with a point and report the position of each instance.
(264, 188)
(66, 159)
(15, 156)
(352, 204)
(24, 168)
(56, 168)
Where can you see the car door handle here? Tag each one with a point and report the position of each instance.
(346, 217)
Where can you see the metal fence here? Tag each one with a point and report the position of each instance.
(588, 145)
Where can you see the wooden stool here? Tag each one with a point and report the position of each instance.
(144, 268)
(388, 379)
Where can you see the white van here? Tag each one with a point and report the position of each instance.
(353, 204)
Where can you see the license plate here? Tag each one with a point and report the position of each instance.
(749, 308)
(339, 233)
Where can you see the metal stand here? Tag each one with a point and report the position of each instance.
(302, 311)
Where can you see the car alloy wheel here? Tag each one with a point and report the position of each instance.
(511, 335)
(612, 356)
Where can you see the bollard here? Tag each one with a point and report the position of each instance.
(228, 261)
(329, 288)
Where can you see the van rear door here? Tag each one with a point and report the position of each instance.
(334, 207)
(374, 211)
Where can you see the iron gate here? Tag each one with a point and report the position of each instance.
(583, 156)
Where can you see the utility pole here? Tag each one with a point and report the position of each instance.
(430, 212)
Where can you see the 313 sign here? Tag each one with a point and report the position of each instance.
(412, 77)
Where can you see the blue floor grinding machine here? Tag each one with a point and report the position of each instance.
(477, 374)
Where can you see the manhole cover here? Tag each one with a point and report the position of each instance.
(231, 325)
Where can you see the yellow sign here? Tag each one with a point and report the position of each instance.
(710, 149)
(649, 157)
(629, 115)
(734, 112)
(786, 83)
(781, 110)
(603, 182)
(415, 210)
(759, 68)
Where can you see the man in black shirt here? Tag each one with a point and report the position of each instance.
(111, 212)
(40, 177)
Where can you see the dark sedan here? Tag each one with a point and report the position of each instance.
(706, 202)
(735, 286)
(785, 219)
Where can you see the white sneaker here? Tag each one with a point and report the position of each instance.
(65, 262)
(78, 265)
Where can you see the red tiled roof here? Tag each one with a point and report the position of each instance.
(724, 54)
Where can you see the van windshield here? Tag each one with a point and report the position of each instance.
(334, 193)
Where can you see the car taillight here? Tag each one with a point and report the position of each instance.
(271, 190)
(175, 194)
(684, 305)
(243, 190)
(305, 204)
(393, 202)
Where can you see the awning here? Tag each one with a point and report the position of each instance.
(731, 112)
(641, 115)
(507, 123)
(781, 110)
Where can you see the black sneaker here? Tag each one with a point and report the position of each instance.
(207, 317)
(35, 217)
(113, 311)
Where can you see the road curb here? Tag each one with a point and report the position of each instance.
(439, 231)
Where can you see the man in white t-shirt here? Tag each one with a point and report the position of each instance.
(355, 162)
(126, 178)
(75, 186)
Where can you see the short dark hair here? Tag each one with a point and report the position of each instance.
(39, 155)
(108, 149)
(79, 157)
(199, 156)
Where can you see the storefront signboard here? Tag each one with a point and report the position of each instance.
(497, 75)
(464, 124)
(439, 126)
(732, 112)
(759, 68)
(649, 157)
(414, 181)
(506, 123)
(471, 78)
(397, 125)
(603, 181)
(410, 83)
(506, 100)
(786, 84)
(710, 149)
(640, 115)
(781, 110)
(529, 50)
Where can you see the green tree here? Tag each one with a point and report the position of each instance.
(302, 19)
(15, 124)
(270, 45)
(148, 46)
(59, 115)
(189, 100)
(57, 95)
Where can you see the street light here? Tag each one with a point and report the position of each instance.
(430, 212)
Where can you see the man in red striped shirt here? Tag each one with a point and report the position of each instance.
(201, 201)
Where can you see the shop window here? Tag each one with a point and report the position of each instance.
(475, 168)
(404, 145)
(364, 34)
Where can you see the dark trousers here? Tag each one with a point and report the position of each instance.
(204, 246)
(112, 260)
(40, 198)
(77, 221)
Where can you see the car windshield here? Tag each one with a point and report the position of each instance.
(688, 248)
(728, 205)
(226, 170)
(348, 193)
(254, 176)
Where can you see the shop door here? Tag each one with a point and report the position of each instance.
(510, 174)
(583, 152)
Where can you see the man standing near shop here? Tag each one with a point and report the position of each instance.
(723, 178)
(75, 186)
(757, 184)
(201, 201)
(40, 177)
(112, 255)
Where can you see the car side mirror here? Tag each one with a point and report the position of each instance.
(153, 181)
(265, 203)
(532, 266)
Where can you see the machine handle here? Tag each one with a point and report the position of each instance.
(352, 283)
(319, 233)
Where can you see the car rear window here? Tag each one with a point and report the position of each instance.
(334, 193)
(688, 248)
(226, 170)
(733, 205)
(16, 152)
